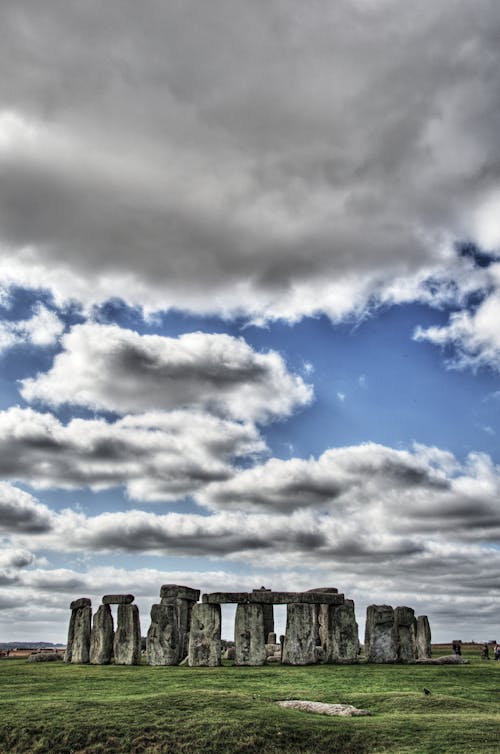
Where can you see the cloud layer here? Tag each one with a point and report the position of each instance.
(265, 158)
(155, 456)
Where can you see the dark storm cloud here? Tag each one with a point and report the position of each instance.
(276, 158)
(22, 513)
(339, 477)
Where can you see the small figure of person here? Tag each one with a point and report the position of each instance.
(456, 647)
(497, 651)
(485, 653)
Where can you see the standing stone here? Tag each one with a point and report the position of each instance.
(405, 634)
(249, 636)
(339, 633)
(162, 642)
(205, 636)
(127, 644)
(271, 638)
(302, 635)
(68, 654)
(74, 607)
(81, 636)
(183, 598)
(380, 645)
(424, 650)
(268, 612)
(101, 642)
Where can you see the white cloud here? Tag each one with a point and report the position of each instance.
(42, 329)
(474, 336)
(108, 367)
(155, 456)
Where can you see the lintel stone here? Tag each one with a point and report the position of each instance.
(81, 602)
(273, 598)
(118, 599)
(179, 592)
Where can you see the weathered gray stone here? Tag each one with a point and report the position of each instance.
(380, 645)
(273, 649)
(127, 643)
(302, 634)
(80, 602)
(162, 642)
(272, 598)
(405, 634)
(81, 636)
(230, 653)
(271, 638)
(268, 612)
(101, 641)
(424, 650)
(338, 632)
(71, 636)
(323, 590)
(179, 592)
(184, 609)
(249, 638)
(118, 599)
(204, 637)
(44, 657)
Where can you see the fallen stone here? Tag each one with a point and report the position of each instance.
(443, 660)
(81, 602)
(101, 640)
(320, 708)
(118, 599)
(45, 657)
(127, 643)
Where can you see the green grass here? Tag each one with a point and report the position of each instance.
(58, 708)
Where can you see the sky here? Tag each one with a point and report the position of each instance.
(250, 305)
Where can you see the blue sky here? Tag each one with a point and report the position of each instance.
(250, 306)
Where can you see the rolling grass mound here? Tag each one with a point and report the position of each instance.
(65, 709)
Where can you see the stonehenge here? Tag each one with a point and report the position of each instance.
(321, 627)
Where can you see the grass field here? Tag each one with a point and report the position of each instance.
(56, 708)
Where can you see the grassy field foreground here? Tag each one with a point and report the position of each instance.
(56, 708)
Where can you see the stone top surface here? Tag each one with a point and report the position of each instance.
(325, 590)
(117, 599)
(180, 592)
(273, 598)
(81, 602)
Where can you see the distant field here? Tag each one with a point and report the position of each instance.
(59, 708)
